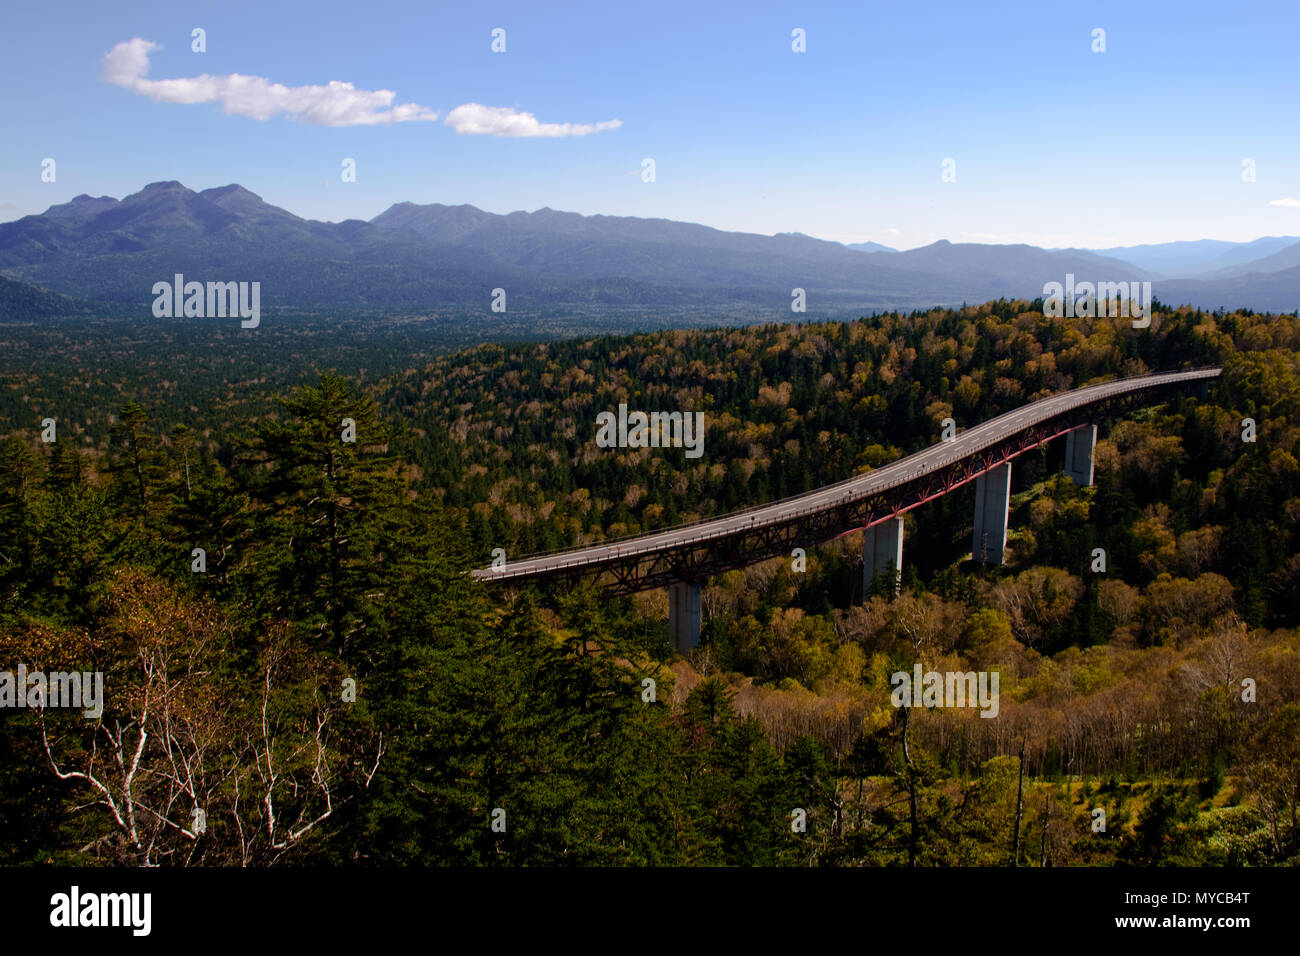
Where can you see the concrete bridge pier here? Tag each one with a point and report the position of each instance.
(1079, 446)
(684, 614)
(992, 505)
(882, 550)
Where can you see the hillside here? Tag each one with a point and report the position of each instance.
(25, 301)
(327, 561)
(1272, 291)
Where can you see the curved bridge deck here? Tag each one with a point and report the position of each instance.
(690, 552)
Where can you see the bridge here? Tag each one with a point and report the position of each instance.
(681, 557)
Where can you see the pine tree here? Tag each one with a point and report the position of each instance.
(321, 484)
(135, 465)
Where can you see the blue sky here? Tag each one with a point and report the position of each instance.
(1054, 144)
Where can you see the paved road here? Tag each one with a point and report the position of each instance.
(934, 458)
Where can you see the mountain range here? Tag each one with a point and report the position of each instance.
(426, 257)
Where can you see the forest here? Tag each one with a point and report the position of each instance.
(298, 669)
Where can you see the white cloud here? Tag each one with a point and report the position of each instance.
(338, 104)
(477, 119)
(893, 232)
(1288, 203)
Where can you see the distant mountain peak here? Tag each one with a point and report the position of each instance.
(80, 207)
(83, 199)
(869, 247)
(234, 189)
(168, 185)
(546, 212)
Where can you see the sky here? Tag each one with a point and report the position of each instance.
(1051, 142)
